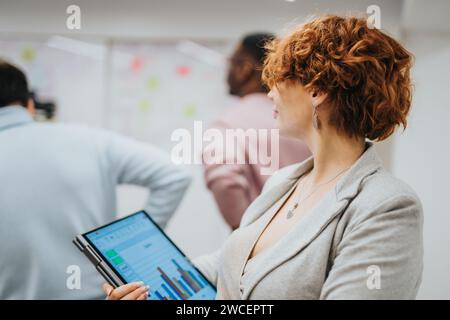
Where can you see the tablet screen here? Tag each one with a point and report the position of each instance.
(139, 251)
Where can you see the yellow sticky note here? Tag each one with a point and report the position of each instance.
(190, 110)
(28, 54)
(144, 106)
(153, 83)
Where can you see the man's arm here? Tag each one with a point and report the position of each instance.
(141, 164)
(227, 179)
(230, 189)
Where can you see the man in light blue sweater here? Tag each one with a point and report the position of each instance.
(57, 181)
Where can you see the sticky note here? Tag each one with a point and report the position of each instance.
(144, 105)
(136, 64)
(183, 70)
(189, 110)
(153, 83)
(28, 54)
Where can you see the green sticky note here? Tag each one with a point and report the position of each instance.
(117, 260)
(144, 105)
(153, 83)
(111, 253)
(189, 110)
(28, 54)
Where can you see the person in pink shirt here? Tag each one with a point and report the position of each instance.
(235, 184)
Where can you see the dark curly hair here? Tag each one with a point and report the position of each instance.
(364, 72)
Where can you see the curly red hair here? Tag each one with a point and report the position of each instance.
(364, 72)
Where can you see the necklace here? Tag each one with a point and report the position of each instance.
(291, 211)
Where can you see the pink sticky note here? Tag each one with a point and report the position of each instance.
(183, 70)
(136, 64)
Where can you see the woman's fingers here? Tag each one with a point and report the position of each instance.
(134, 295)
(143, 296)
(107, 288)
(126, 292)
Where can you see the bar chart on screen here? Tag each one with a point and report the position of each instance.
(185, 286)
(139, 251)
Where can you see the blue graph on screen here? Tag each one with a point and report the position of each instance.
(139, 251)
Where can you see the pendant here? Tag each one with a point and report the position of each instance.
(290, 212)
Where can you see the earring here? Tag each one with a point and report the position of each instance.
(316, 120)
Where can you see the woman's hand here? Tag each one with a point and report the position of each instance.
(131, 291)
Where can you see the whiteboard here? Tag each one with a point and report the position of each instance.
(162, 89)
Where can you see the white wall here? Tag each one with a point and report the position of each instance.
(163, 19)
(421, 155)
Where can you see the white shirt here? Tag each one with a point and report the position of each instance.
(57, 181)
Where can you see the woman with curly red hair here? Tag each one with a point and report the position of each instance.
(338, 225)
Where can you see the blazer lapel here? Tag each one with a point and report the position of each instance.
(269, 197)
(314, 222)
(298, 238)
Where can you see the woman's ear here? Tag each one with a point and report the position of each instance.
(246, 70)
(30, 107)
(317, 98)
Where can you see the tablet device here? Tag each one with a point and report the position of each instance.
(134, 248)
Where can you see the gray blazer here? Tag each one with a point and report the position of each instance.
(362, 241)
